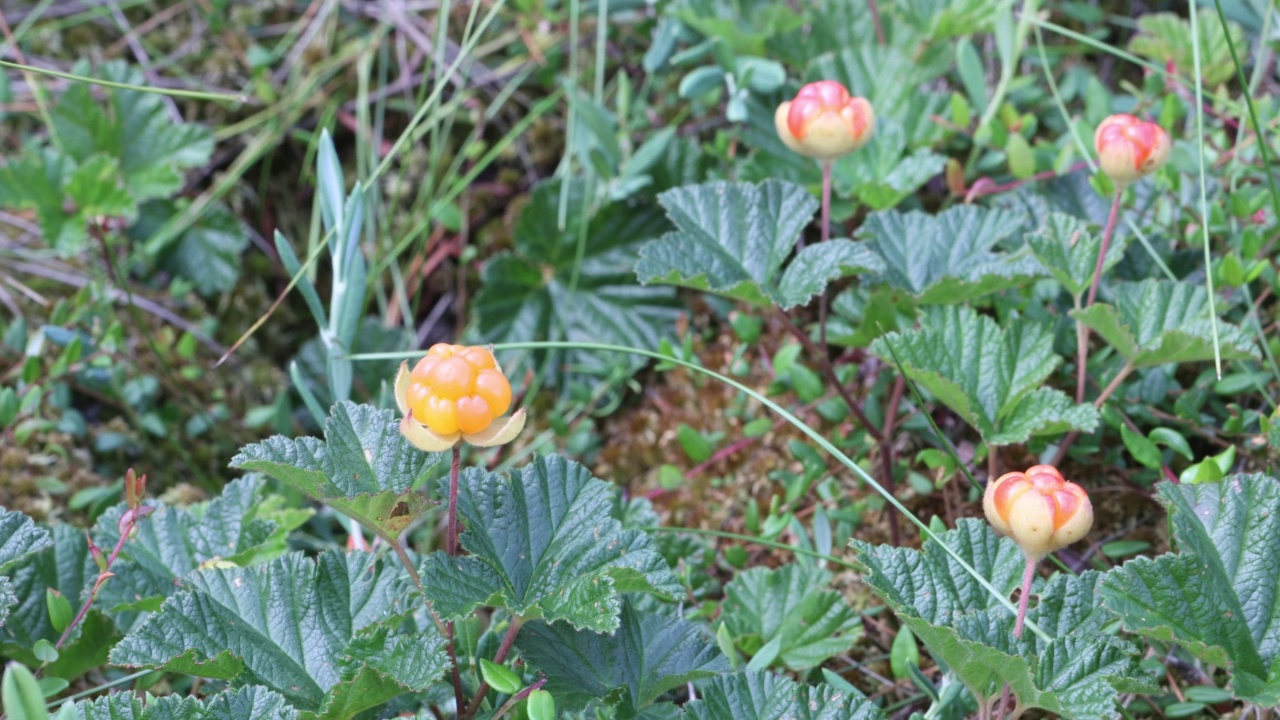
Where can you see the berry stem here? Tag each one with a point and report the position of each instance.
(451, 542)
(1082, 331)
(1027, 576)
(826, 200)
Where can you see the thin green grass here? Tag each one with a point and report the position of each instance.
(817, 437)
(1204, 192)
(172, 92)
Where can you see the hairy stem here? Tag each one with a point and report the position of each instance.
(1115, 383)
(886, 449)
(518, 697)
(1027, 576)
(1102, 251)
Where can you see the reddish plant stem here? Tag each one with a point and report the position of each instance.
(451, 541)
(886, 450)
(829, 371)
(518, 697)
(1102, 251)
(499, 657)
(1098, 402)
(1027, 576)
(451, 549)
(129, 521)
(826, 198)
(875, 17)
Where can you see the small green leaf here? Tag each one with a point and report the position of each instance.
(885, 172)
(1125, 548)
(363, 468)
(20, 694)
(44, 651)
(733, 239)
(541, 705)
(1022, 161)
(60, 613)
(695, 445)
(1142, 449)
(1154, 322)
(903, 652)
(500, 677)
(990, 376)
(1173, 440)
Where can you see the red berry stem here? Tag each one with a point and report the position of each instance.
(826, 200)
(451, 542)
(1027, 576)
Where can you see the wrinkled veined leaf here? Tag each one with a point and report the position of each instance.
(135, 128)
(1074, 675)
(1153, 322)
(790, 604)
(988, 375)
(1218, 595)
(883, 173)
(646, 656)
(1166, 37)
(319, 632)
(65, 196)
(250, 703)
(237, 527)
(19, 537)
(207, 252)
(948, 258)
(1069, 251)
(765, 695)
(364, 468)
(733, 239)
(543, 543)
(531, 294)
(63, 565)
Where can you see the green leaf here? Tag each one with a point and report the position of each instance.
(66, 197)
(207, 252)
(790, 604)
(883, 174)
(1217, 596)
(948, 258)
(254, 702)
(530, 294)
(1075, 675)
(947, 18)
(1069, 251)
(238, 526)
(646, 656)
(544, 542)
(733, 239)
(20, 695)
(1166, 37)
(319, 632)
(988, 375)
(19, 537)
(63, 565)
(132, 127)
(364, 468)
(765, 695)
(1153, 322)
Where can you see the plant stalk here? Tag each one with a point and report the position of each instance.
(829, 370)
(451, 541)
(499, 657)
(1082, 331)
(826, 197)
(1027, 576)
(875, 17)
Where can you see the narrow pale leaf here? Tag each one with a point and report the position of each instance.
(790, 604)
